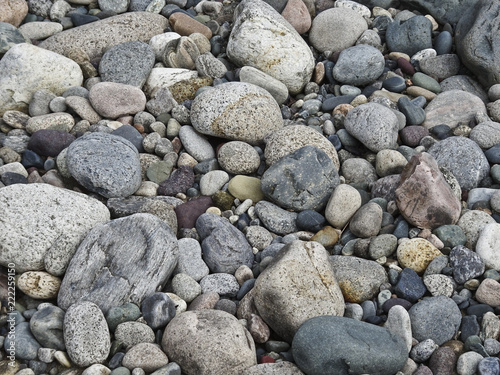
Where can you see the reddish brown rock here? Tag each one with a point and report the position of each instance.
(185, 25)
(179, 181)
(13, 11)
(412, 135)
(297, 14)
(424, 197)
(188, 213)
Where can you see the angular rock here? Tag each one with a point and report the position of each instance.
(282, 292)
(424, 197)
(191, 335)
(121, 267)
(52, 220)
(47, 327)
(166, 77)
(466, 264)
(262, 38)
(339, 345)
(217, 112)
(113, 100)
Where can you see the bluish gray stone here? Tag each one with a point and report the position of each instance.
(190, 260)
(442, 10)
(47, 326)
(25, 344)
(443, 43)
(410, 286)
(489, 366)
(410, 36)
(128, 312)
(493, 154)
(132, 135)
(105, 164)
(466, 264)
(337, 345)
(225, 248)
(359, 65)
(437, 318)
(394, 84)
(414, 114)
(224, 284)
(303, 180)
(9, 36)
(451, 235)
(276, 219)
(158, 310)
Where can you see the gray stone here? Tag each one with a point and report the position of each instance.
(121, 268)
(276, 219)
(486, 134)
(277, 368)
(444, 11)
(196, 144)
(225, 248)
(440, 67)
(40, 30)
(359, 279)
(53, 220)
(133, 333)
(486, 245)
(113, 100)
(463, 158)
(106, 164)
(464, 83)
(161, 101)
(9, 37)
(367, 221)
(398, 322)
(117, 6)
(238, 158)
(303, 180)
(224, 284)
(436, 318)
(212, 182)
(158, 310)
(86, 334)
(47, 327)
(120, 314)
(472, 223)
(190, 261)
(342, 205)
(359, 65)
(25, 344)
(267, 47)
(277, 89)
(467, 363)
(146, 356)
(374, 125)
(191, 335)
(358, 171)
(466, 264)
(283, 295)
(338, 345)
(129, 63)
(209, 66)
(410, 36)
(217, 112)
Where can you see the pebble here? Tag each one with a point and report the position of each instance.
(410, 36)
(158, 310)
(38, 284)
(132, 333)
(367, 221)
(276, 88)
(121, 314)
(410, 286)
(146, 356)
(190, 259)
(30, 346)
(468, 362)
(416, 254)
(113, 100)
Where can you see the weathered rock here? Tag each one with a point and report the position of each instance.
(121, 267)
(472, 223)
(39, 284)
(283, 295)
(276, 219)
(217, 112)
(47, 327)
(113, 100)
(486, 245)
(52, 220)
(411, 36)
(262, 38)
(146, 356)
(191, 335)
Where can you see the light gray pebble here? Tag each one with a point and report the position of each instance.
(243, 207)
(212, 182)
(276, 219)
(132, 333)
(238, 157)
(224, 284)
(491, 346)
(423, 350)
(196, 144)
(382, 245)
(185, 287)
(181, 114)
(467, 363)
(398, 322)
(209, 66)
(190, 261)
(58, 104)
(258, 237)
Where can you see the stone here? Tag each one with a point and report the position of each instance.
(120, 314)
(440, 67)
(283, 295)
(266, 47)
(238, 157)
(342, 205)
(146, 356)
(472, 224)
(190, 259)
(246, 187)
(212, 182)
(374, 125)
(54, 121)
(96, 38)
(486, 134)
(416, 254)
(158, 309)
(478, 59)
(36, 69)
(40, 30)
(185, 25)
(185, 287)
(187, 213)
(224, 284)
(106, 164)
(485, 246)
(133, 333)
(488, 292)
(336, 29)
(195, 144)
(277, 368)
(39, 284)
(398, 322)
(297, 15)
(333, 344)
(453, 108)
(113, 100)
(166, 78)
(131, 277)
(358, 278)
(276, 219)
(209, 66)
(367, 221)
(10, 36)
(302, 180)
(437, 318)
(276, 88)
(359, 65)
(25, 345)
(389, 162)
(463, 158)
(465, 83)
(410, 36)
(423, 196)
(467, 363)
(161, 101)
(86, 334)
(409, 286)
(53, 220)
(467, 264)
(13, 11)
(191, 335)
(225, 248)
(83, 108)
(217, 112)
(48, 142)
(47, 327)
(449, 11)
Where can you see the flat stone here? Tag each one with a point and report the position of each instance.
(47, 327)
(277, 368)
(40, 30)
(464, 83)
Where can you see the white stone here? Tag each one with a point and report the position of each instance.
(166, 77)
(439, 285)
(487, 245)
(398, 322)
(40, 30)
(212, 182)
(343, 204)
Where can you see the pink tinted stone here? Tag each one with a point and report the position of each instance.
(13, 11)
(113, 100)
(297, 14)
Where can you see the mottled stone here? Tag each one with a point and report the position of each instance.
(113, 100)
(416, 254)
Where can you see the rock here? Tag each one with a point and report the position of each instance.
(359, 65)
(488, 292)
(443, 11)
(283, 295)
(120, 314)
(467, 264)
(440, 67)
(463, 158)
(191, 335)
(161, 101)
(238, 158)
(209, 66)
(453, 108)
(359, 279)
(152, 257)
(195, 144)
(245, 187)
(472, 223)
(40, 30)
(133, 333)
(436, 318)
(96, 38)
(25, 345)
(367, 221)
(276, 219)
(212, 182)
(342, 205)
(486, 134)
(297, 15)
(225, 248)
(224, 284)
(190, 259)
(424, 197)
(146, 356)
(53, 121)
(113, 100)
(333, 344)
(443, 361)
(485, 246)
(472, 25)
(47, 326)
(336, 29)
(158, 310)
(47, 142)
(277, 368)
(13, 11)
(398, 322)
(53, 220)
(36, 69)
(465, 83)
(266, 48)
(166, 77)
(409, 286)
(10, 37)
(86, 334)
(39, 284)
(187, 213)
(106, 164)
(301, 181)
(373, 125)
(257, 77)
(217, 112)
(409, 37)
(416, 254)
(186, 25)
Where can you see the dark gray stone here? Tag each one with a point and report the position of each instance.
(475, 27)
(47, 326)
(26, 346)
(443, 43)
(469, 327)
(158, 310)
(437, 318)
(121, 261)
(359, 65)
(131, 134)
(451, 235)
(442, 10)
(410, 36)
(138, 5)
(310, 220)
(337, 345)
(105, 164)
(410, 286)
(48, 142)
(129, 63)
(120, 314)
(463, 158)
(466, 264)
(394, 84)
(440, 67)
(414, 114)
(493, 154)
(330, 103)
(464, 83)
(303, 180)
(9, 37)
(224, 247)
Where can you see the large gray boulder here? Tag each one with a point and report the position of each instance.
(442, 10)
